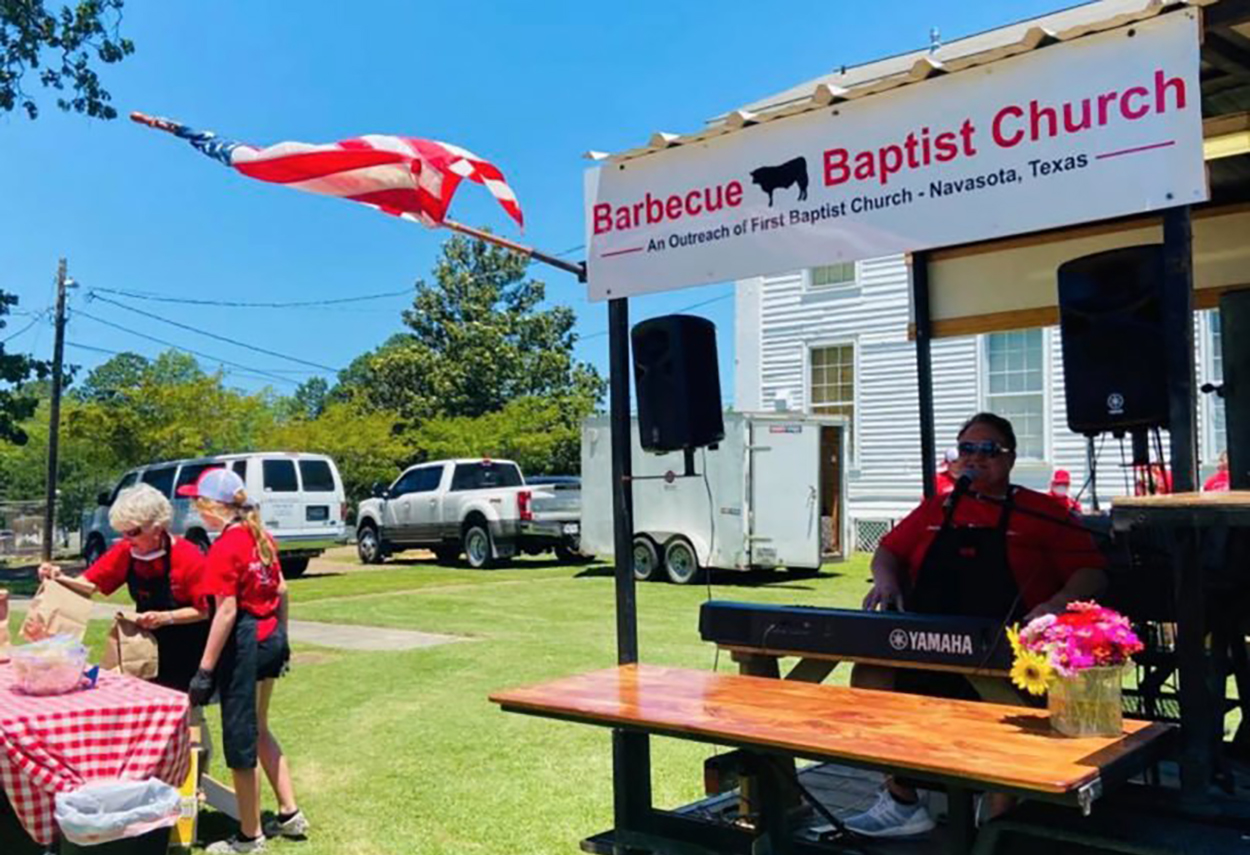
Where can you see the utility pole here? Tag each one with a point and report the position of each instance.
(54, 414)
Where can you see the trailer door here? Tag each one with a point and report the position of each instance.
(784, 528)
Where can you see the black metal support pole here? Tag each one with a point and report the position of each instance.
(622, 489)
(54, 415)
(924, 368)
(1178, 343)
(631, 752)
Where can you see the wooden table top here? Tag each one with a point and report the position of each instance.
(1212, 499)
(1216, 508)
(1007, 746)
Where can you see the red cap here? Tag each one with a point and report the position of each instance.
(1061, 476)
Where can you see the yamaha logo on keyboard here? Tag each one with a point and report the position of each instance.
(932, 642)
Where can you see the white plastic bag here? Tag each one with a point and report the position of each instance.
(111, 810)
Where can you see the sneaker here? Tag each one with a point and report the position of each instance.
(295, 825)
(891, 818)
(236, 845)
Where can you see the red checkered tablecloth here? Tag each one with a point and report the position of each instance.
(123, 728)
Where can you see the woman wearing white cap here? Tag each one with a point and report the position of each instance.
(163, 574)
(247, 650)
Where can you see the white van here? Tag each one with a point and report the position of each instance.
(301, 502)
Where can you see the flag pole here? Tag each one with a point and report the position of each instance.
(577, 269)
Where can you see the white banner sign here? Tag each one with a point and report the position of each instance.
(1107, 125)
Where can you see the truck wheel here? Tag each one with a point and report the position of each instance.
(368, 544)
(646, 559)
(568, 554)
(479, 551)
(293, 568)
(95, 548)
(446, 555)
(680, 561)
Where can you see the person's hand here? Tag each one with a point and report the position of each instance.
(153, 620)
(34, 628)
(201, 688)
(884, 595)
(48, 571)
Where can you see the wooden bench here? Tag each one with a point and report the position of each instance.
(958, 745)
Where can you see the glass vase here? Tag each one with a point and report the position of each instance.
(1087, 703)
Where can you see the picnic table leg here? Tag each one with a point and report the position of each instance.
(762, 665)
(960, 820)
(773, 786)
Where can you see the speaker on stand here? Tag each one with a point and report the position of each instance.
(677, 380)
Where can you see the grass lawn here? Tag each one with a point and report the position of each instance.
(402, 753)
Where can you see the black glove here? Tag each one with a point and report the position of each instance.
(201, 688)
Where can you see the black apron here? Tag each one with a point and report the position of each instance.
(966, 572)
(179, 646)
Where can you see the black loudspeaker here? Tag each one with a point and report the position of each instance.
(1235, 350)
(677, 380)
(1111, 317)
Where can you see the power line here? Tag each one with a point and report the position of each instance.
(207, 334)
(148, 295)
(689, 308)
(34, 321)
(232, 373)
(179, 347)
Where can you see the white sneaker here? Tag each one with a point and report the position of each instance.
(235, 845)
(891, 818)
(297, 826)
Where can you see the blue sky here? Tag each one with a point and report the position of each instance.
(530, 86)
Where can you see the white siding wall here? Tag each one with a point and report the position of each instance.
(779, 319)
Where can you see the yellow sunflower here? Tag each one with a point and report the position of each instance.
(1031, 672)
(1013, 635)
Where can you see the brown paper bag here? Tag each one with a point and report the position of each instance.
(130, 649)
(63, 606)
(4, 626)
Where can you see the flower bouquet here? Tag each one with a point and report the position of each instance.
(1079, 658)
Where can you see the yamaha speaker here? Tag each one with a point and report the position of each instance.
(1111, 317)
(677, 380)
(1235, 351)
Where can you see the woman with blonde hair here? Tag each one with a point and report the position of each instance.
(247, 650)
(163, 574)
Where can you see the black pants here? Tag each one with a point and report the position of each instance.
(245, 661)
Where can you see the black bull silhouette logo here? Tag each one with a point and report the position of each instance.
(773, 178)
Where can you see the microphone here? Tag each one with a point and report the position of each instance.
(962, 486)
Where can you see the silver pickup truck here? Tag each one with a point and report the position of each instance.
(482, 508)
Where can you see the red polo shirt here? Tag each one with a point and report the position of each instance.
(235, 569)
(186, 571)
(1045, 545)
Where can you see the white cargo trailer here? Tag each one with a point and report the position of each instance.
(770, 495)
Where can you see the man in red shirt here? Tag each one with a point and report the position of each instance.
(1218, 483)
(1061, 487)
(989, 549)
(946, 478)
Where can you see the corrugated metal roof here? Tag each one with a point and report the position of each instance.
(917, 66)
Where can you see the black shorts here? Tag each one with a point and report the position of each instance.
(243, 663)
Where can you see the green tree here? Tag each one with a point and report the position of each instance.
(17, 400)
(543, 436)
(477, 339)
(114, 379)
(307, 402)
(59, 46)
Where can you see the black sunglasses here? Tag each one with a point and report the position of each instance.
(984, 448)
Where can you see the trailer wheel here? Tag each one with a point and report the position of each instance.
(680, 561)
(646, 559)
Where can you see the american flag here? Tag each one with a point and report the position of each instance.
(402, 176)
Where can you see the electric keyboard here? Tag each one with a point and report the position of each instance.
(944, 642)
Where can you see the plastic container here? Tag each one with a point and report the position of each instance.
(118, 812)
(53, 666)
